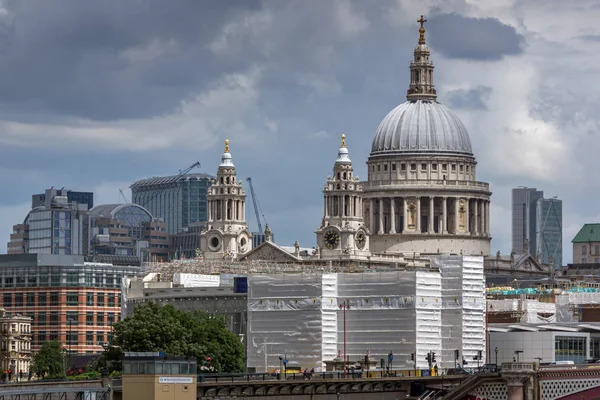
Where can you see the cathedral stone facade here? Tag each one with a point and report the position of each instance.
(421, 196)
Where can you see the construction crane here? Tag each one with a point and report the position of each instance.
(181, 173)
(256, 206)
(123, 195)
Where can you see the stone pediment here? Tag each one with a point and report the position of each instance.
(269, 251)
(519, 264)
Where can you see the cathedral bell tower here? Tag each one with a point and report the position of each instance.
(342, 231)
(226, 235)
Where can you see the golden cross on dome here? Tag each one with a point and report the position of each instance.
(422, 30)
(343, 140)
(226, 145)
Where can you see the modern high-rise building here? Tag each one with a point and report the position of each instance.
(548, 231)
(53, 226)
(537, 224)
(178, 200)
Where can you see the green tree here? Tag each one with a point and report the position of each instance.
(49, 361)
(179, 333)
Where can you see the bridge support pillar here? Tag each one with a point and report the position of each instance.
(515, 388)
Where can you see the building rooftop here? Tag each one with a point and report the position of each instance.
(164, 180)
(588, 233)
(552, 327)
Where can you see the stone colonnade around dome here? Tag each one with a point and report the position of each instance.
(412, 214)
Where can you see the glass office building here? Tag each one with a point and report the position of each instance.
(539, 222)
(178, 200)
(548, 230)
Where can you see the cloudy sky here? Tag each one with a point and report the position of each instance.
(95, 95)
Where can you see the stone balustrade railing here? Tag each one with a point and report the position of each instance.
(429, 183)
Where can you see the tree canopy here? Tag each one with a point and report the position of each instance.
(179, 333)
(48, 361)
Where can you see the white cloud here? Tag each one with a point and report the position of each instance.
(228, 107)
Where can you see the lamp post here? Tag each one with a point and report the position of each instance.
(69, 321)
(496, 351)
(345, 305)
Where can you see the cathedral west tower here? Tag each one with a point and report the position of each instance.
(422, 194)
(226, 235)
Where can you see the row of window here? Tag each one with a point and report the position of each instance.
(15, 345)
(413, 167)
(69, 279)
(72, 338)
(72, 318)
(595, 253)
(72, 299)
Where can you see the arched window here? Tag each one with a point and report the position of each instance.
(221, 180)
(345, 175)
(338, 175)
(227, 180)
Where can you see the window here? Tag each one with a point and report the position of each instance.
(100, 337)
(402, 167)
(385, 167)
(100, 300)
(53, 318)
(596, 260)
(597, 250)
(461, 168)
(89, 318)
(72, 338)
(53, 335)
(111, 299)
(72, 278)
(111, 318)
(89, 299)
(89, 338)
(434, 166)
(7, 299)
(444, 167)
(31, 281)
(73, 316)
(570, 348)
(41, 299)
(100, 319)
(30, 299)
(378, 167)
(18, 299)
(42, 318)
(41, 337)
(393, 166)
(72, 299)
(119, 299)
(583, 250)
(54, 299)
(453, 167)
(8, 281)
(467, 169)
(413, 167)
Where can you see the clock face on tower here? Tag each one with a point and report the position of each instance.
(331, 238)
(361, 239)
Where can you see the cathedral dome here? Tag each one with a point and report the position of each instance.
(421, 126)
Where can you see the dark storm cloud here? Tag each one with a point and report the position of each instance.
(107, 59)
(473, 99)
(486, 39)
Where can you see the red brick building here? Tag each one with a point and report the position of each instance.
(69, 300)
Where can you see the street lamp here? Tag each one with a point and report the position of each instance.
(345, 306)
(496, 351)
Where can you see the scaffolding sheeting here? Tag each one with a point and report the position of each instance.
(196, 280)
(301, 316)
